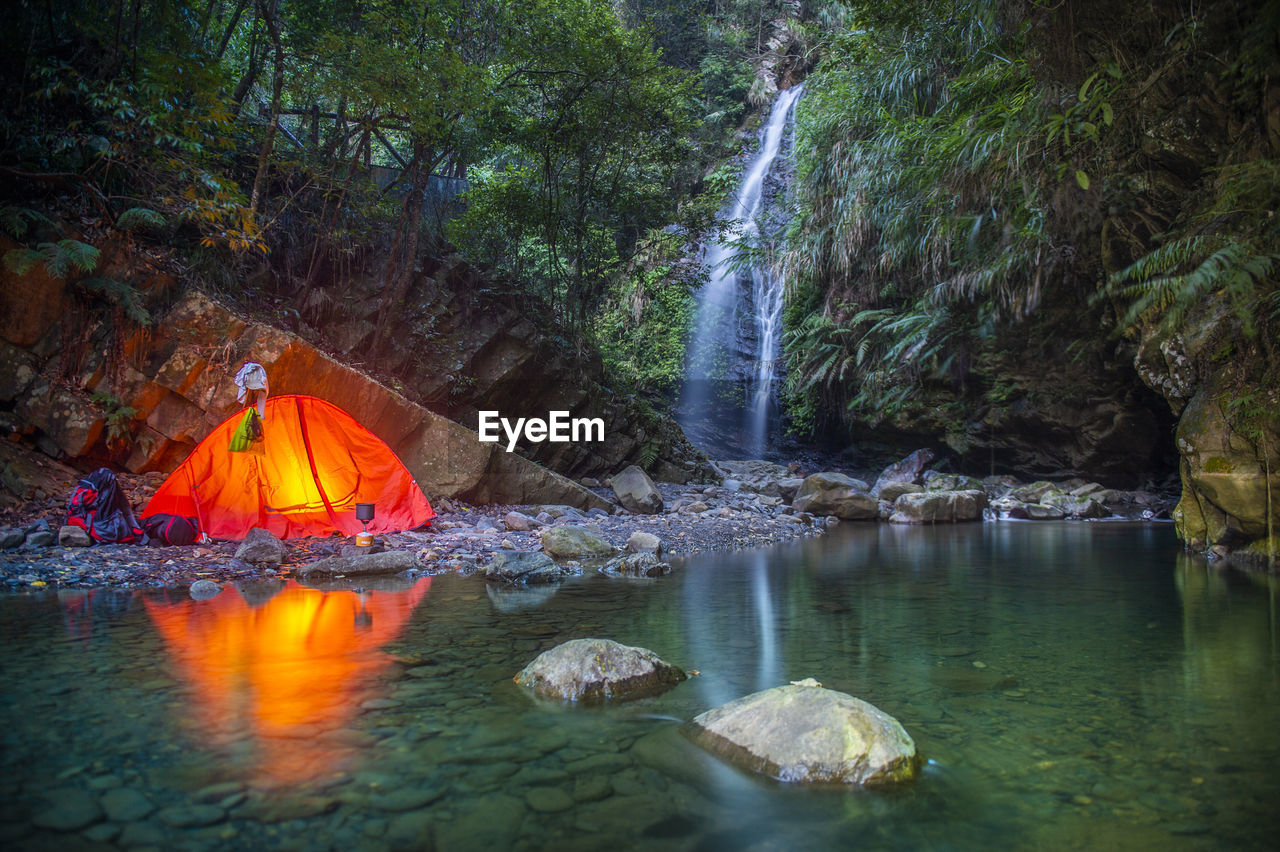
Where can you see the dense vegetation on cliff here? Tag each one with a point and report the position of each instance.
(284, 148)
(970, 169)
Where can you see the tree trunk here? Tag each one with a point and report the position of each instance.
(404, 249)
(277, 87)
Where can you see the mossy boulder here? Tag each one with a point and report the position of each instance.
(570, 542)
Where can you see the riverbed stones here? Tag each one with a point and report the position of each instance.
(524, 567)
(387, 562)
(836, 495)
(809, 735)
(68, 810)
(69, 536)
(262, 547)
(939, 507)
(125, 805)
(640, 542)
(190, 816)
(597, 670)
(573, 542)
(519, 522)
(202, 590)
(636, 491)
(11, 538)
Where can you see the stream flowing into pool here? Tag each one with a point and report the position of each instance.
(1072, 686)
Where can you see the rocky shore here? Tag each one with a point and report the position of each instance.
(756, 504)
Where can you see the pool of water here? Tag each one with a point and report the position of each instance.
(1072, 686)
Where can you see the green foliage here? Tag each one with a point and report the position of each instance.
(1228, 254)
(59, 259)
(118, 416)
(140, 219)
(16, 221)
(641, 330)
(120, 294)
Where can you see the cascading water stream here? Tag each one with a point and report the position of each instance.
(715, 352)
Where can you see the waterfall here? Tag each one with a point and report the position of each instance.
(733, 354)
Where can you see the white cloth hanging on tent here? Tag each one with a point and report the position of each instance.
(251, 381)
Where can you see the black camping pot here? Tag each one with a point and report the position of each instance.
(364, 511)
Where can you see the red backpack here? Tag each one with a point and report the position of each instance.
(99, 507)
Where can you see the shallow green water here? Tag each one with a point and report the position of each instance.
(1074, 686)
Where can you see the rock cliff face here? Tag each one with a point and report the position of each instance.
(466, 343)
(1228, 433)
(175, 386)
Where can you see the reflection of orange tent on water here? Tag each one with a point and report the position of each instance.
(288, 671)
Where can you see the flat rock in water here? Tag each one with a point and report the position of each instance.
(598, 669)
(571, 542)
(388, 562)
(809, 735)
(10, 538)
(522, 567)
(261, 547)
(939, 507)
(636, 492)
(643, 564)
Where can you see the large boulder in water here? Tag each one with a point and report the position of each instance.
(808, 734)
(911, 469)
(598, 669)
(511, 566)
(939, 507)
(575, 543)
(636, 491)
(836, 494)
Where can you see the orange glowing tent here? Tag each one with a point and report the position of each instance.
(315, 463)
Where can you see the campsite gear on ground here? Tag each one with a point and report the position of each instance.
(164, 529)
(98, 506)
(251, 383)
(364, 514)
(247, 438)
(316, 463)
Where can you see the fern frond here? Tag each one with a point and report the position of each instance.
(122, 294)
(15, 221)
(140, 219)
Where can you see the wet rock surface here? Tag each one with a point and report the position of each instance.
(598, 670)
(806, 734)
